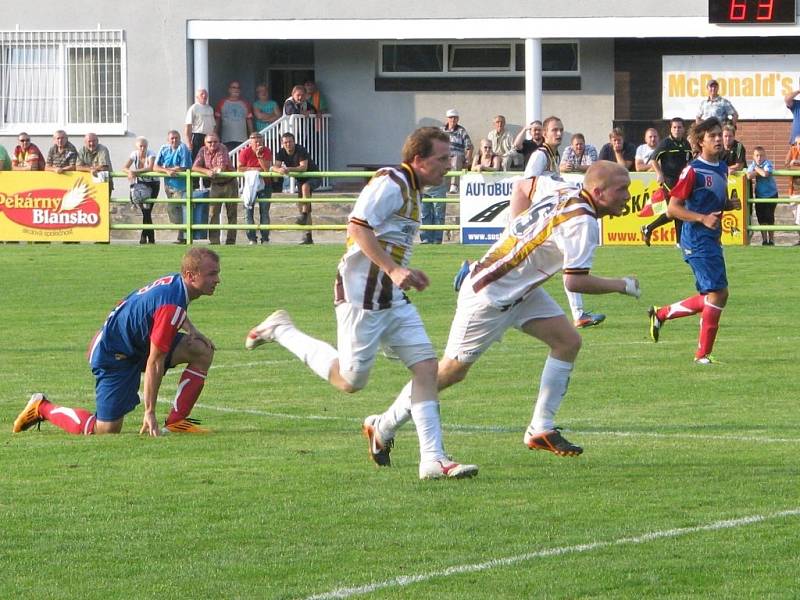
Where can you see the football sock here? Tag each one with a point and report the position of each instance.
(189, 387)
(397, 414)
(684, 308)
(429, 430)
(316, 354)
(709, 324)
(552, 387)
(660, 220)
(71, 420)
(575, 303)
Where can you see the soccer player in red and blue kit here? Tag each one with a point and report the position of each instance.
(143, 334)
(698, 200)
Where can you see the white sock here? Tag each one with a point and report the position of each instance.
(397, 414)
(316, 354)
(575, 303)
(552, 387)
(429, 430)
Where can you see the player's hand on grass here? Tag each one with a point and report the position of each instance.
(632, 287)
(149, 425)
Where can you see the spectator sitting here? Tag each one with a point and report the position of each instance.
(94, 158)
(578, 156)
(293, 158)
(297, 104)
(315, 97)
(62, 154)
(760, 171)
(618, 150)
(793, 164)
(716, 106)
(486, 159)
(257, 157)
(173, 159)
(141, 161)
(527, 147)
(211, 161)
(644, 153)
(199, 122)
(27, 156)
(503, 145)
(234, 117)
(733, 152)
(460, 146)
(265, 110)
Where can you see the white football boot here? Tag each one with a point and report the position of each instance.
(265, 331)
(437, 469)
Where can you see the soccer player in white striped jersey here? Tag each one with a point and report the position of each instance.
(557, 232)
(372, 308)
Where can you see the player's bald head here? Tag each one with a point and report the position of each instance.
(194, 257)
(608, 183)
(601, 172)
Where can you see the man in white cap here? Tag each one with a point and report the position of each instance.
(460, 145)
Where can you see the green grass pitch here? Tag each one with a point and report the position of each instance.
(688, 486)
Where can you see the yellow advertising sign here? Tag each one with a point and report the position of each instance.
(47, 207)
(627, 229)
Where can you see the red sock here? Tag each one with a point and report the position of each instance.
(189, 388)
(71, 420)
(709, 324)
(684, 308)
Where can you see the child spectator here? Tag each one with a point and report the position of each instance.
(760, 171)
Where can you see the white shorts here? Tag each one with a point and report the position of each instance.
(477, 325)
(360, 334)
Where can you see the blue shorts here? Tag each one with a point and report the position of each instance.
(117, 388)
(709, 272)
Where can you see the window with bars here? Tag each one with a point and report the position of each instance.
(73, 80)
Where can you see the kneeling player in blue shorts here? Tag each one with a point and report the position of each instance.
(141, 335)
(698, 200)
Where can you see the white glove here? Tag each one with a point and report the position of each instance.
(632, 287)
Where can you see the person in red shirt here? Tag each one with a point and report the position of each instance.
(27, 156)
(256, 157)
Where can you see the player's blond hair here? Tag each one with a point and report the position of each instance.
(194, 257)
(420, 143)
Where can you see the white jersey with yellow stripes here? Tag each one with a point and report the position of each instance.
(389, 205)
(558, 232)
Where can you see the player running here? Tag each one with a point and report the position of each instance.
(372, 308)
(559, 231)
(142, 334)
(698, 200)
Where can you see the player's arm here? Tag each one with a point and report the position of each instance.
(153, 374)
(520, 196)
(195, 334)
(402, 277)
(676, 209)
(585, 283)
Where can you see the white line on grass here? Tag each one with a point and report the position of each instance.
(579, 548)
(475, 429)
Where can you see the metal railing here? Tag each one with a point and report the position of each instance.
(780, 200)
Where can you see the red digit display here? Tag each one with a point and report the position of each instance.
(764, 12)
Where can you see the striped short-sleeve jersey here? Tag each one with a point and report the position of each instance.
(558, 232)
(389, 205)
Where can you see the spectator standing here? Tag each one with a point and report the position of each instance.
(733, 152)
(256, 157)
(503, 145)
(793, 164)
(315, 97)
(670, 157)
(618, 150)
(297, 103)
(142, 160)
(645, 152)
(174, 158)
(486, 159)
(62, 154)
(265, 110)
(211, 161)
(294, 158)
(27, 156)
(199, 122)
(716, 106)
(433, 213)
(760, 172)
(234, 117)
(579, 156)
(5, 160)
(94, 158)
(793, 104)
(527, 146)
(460, 146)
